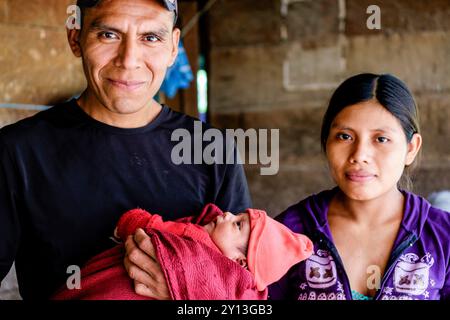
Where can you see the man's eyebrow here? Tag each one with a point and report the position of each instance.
(99, 25)
(162, 32)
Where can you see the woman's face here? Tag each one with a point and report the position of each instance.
(367, 150)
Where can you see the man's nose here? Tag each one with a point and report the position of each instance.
(129, 55)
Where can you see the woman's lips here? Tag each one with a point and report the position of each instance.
(126, 85)
(359, 176)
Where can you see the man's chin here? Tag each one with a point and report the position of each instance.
(125, 105)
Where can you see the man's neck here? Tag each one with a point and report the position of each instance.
(99, 112)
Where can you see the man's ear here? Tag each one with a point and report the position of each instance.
(413, 148)
(73, 36)
(176, 34)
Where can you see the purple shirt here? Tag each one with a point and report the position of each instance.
(418, 268)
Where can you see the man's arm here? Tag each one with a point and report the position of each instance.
(133, 219)
(9, 222)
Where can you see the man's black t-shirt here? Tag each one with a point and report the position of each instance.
(65, 179)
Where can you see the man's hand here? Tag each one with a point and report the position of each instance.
(143, 267)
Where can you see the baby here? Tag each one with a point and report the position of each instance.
(253, 240)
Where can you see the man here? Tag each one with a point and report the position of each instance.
(68, 173)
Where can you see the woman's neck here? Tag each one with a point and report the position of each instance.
(377, 211)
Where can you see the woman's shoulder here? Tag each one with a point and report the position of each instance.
(429, 222)
(310, 211)
(439, 216)
(316, 201)
(428, 209)
(440, 205)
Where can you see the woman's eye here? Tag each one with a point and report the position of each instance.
(238, 224)
(344, 136)
(382, 139)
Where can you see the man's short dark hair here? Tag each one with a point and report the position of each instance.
(83, 4)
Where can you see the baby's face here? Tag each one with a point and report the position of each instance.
(230, 233)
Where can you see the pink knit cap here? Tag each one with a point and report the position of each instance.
(273, 248)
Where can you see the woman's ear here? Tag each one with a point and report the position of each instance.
(413, 148)
(73, 36)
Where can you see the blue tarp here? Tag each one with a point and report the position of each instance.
(179, 75)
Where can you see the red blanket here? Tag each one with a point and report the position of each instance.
(183, 262)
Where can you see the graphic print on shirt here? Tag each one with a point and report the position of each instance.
(321, 270)
(412, 274)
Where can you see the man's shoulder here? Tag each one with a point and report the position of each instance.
(32, 125)
(179, 120)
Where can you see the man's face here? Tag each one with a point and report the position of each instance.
(126, 46)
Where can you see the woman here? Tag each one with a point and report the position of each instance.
(372, 239)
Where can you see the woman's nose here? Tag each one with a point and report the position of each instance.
(361, 153)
